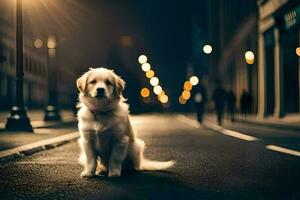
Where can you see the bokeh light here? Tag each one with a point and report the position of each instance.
(187, 85)
(298, 51)
(186, 94)
(142, 59)
(194, 80)
(145, 92)
(249, 57)
(157, 89)
(146, 67)
(182, 100)
(154, 81)
(38, 43)
(150, 73)
(207, 49)
(147, 99)
(164, 99)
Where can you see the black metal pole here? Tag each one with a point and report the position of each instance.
(18, 120)
(52, 112)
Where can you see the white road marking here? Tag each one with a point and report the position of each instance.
(283, 150)
(187, 120)
(231, 133)
(217, 128)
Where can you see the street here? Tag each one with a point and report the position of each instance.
(210, 165)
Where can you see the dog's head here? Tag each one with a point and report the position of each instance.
(100, 85)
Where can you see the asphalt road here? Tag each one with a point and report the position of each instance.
(210, 165)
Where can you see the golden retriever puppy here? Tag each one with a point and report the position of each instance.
(106, 134)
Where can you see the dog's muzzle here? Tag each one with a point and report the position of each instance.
(100, 93)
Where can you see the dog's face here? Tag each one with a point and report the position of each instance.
(101, 84)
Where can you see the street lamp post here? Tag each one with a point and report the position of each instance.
(249, 58)
(52, 111)
(18, 119)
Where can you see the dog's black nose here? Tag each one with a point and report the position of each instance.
(100, 92)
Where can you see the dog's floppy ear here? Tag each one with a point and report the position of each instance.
(82, 82)
(120, 85)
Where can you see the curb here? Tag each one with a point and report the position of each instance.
(273, 125)
(28, 149)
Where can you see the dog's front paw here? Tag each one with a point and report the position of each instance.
(86, 174)
(114, 173)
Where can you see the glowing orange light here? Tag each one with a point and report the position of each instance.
(187, 85)
(298, 51)
(186, 94)
(145, 92)
(150, 73)
(182, 100)
(164, 99)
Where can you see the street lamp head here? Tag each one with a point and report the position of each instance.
(249, 57)
(38, 43)
(51, 43)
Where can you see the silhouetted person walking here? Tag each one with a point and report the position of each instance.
(245, 103)
(219, 98)
(231, 100)
(200, 98)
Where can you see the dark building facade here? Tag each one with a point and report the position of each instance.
(279, 23)
(232, 26)
(35, 64)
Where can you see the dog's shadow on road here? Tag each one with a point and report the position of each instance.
(155, 185)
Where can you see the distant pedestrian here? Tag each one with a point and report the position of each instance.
(200, 98)
(231, 101)
(219, 98)
(245, 103)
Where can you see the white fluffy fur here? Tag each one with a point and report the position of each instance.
(106, 134)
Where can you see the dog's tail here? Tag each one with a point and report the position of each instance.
(156, 165)
(136, 150)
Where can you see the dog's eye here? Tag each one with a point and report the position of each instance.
(108, 82)
(93, 82)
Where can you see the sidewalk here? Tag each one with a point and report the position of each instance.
(290, 122)
(37, 116)
(46, 134)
